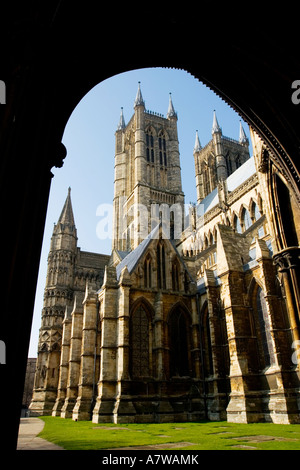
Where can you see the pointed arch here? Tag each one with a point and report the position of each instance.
(206, 340)
(261, 323)
(179, 341)
(237, 224)
(140, 339)
(246, 219)
(148, 267)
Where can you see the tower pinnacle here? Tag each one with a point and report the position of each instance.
(139, 98)
(121, 124)
(67, 216)
(197, 146)
(171, 111)
(216, 128)
(243, 138)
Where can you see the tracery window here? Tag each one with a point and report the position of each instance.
(238, 162)
(139, 343)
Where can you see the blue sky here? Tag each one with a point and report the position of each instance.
(90, 142)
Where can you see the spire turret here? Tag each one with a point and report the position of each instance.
(67, 217)
(197, 146)
(64, 232)
(216, 128)
(121, 124)
(243, 138)
(171, 111)
(139, 98)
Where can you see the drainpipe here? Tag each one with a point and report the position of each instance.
(202, 357)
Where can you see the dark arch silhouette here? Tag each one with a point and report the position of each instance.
(55, 52)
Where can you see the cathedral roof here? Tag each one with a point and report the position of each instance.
(233, 181)
(134, 256)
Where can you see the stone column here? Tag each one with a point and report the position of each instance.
(124, 410)
(64, 364)
(107, 385)
(288, 263)
(243, 406)
(283, 406)
(83, 407)
(74, 360)
(217, 384)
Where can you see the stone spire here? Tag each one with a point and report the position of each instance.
(121, 124)
(171, 111)
(243, 138)
(67, 216)
(139, 98)
(216, 128)
(197, 146)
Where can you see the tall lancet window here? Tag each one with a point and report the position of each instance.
(147, 272)
(149, 146)
(179, 344)
(161, 266)
(139, 343)
(264, 328)
(162, 149)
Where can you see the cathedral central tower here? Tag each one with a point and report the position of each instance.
(147, 185)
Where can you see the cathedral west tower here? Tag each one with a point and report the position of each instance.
(147, 175)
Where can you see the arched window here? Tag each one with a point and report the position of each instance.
(139, 343)
(237, 224)
(264, 328)
(247, 222)
(178, 344)
(206, 342)
(228, 164)
(257, 214)
(238, 162)
(149, 146)
(162, 149)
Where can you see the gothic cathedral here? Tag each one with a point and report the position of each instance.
(190, 317)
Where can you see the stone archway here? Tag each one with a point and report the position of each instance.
(49, 65)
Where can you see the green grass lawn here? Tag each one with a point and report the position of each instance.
(85, 435)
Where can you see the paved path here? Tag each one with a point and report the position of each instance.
(27, 440)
